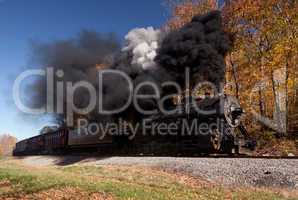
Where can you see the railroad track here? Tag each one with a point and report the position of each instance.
(253, 156)
(182, 156)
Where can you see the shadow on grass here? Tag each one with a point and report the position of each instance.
(60, 160)
(70, 160)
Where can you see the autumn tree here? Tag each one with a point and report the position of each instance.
(183, 11)
(262, 66)
(7, 144)
(263, 62)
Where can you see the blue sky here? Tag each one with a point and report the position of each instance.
(47, 20)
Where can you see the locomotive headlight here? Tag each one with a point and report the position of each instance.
(233, 108)
(232, 111)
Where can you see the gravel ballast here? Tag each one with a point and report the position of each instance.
(281, 173)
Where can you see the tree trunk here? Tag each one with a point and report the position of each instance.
(277, 107)
(287, 96)
(234, 74)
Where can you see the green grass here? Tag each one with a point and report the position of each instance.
(119, 182)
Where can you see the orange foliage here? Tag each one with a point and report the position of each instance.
(183, 12)
(262, 68)
(7, 143)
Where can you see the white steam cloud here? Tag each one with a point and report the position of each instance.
(143, 42)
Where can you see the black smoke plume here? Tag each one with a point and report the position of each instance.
(150, 55)
(78, 58)
(200, 46)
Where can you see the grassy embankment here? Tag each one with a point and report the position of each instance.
(110, 182)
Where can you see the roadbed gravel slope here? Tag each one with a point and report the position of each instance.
(281, 173)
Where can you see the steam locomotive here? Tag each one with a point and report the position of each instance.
(197, 125)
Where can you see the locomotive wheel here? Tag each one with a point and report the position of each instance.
(216, 139)
(228, 146)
